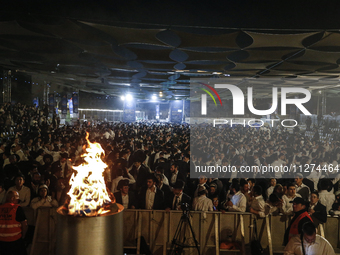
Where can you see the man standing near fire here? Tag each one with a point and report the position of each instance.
(13, 226)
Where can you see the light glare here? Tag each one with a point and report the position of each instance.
(128, 97)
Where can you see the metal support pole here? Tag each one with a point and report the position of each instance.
(318, 106)
(46, 92)
(324, 101)
(7, 86)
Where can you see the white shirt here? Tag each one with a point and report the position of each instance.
(21, 155)
(115, 182)
(165, 180)
(174, 177)
(202, 203)
(270, 209)
(38, 202)
(327, 199)
(312, 206)
(288, 207)
(6, 162)
(149, 198)
(239, 201)
(320, 247)
(40, 159)
(24, 195)
(177, 207)
(125, 201)
(270, 190)
(258, 205)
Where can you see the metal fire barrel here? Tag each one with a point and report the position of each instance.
(101, 235)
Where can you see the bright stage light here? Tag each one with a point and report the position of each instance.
(122, 97)
(154, 97)
(128, 97)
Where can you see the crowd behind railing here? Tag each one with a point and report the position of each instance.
(148, 165)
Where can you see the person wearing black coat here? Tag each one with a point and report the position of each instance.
(301, 216)
(175, 175)
(177, 198)
(129, 201)
(150, 197)
(316, 210)
(140, 172)
(163, 187)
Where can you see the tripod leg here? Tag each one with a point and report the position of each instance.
(176, 236)
(193, 235)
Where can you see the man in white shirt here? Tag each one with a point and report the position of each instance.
(150, 197)
(201, 202)
(160, 170)
(238, 202)
(202, 182)
(258, 203)
(291, 194)
(120, 173)
(313, 244)
(24, 192)
(20, 153)
(325, 197)
(301, 188)
(272, 186)
(124, 196)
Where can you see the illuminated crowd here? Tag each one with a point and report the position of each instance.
(148, 165)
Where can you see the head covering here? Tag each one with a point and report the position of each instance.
(298, 200)
(179, 184)
(64, 155)
(43, 186)
(20, 175)
(122, 183)
(202, 189)
(213, 185)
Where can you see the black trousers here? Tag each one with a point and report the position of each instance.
(13, 248)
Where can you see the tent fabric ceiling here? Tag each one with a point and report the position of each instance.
(107, 59)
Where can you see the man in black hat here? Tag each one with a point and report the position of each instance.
(139, 172)
(124, 196)
(177, 197)
(175, 175)
(151, 197)
(301, 216)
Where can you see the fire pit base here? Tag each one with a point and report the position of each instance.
(101, 235)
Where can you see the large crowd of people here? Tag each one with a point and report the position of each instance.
(148, 165)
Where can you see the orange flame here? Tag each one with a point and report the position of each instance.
(88, 193)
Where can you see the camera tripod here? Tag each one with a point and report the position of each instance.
(178, 242)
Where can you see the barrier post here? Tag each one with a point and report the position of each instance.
(270, 244)
(217, 235)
